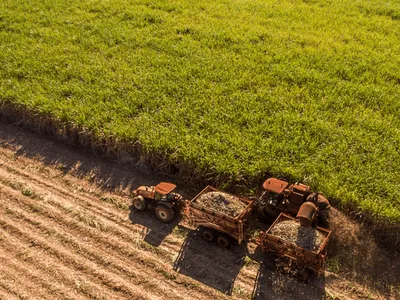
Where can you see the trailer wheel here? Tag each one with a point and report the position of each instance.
(223, 241)
(138, 203)
(208, 234)
(164, 213)
(303, 274)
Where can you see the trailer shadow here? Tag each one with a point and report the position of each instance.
(271, 284)
(154, 230)
(208, 263)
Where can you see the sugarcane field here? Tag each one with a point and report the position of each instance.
(225, 149)
(69, 231)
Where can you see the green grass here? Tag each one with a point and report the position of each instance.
(308, 90)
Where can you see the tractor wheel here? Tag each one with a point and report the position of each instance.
(208, 234)
(164, 213)
(138, 203)
(223, 241)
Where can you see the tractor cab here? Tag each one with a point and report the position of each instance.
(284, 197)
(163, 191)
(161, 197)
(296, 199)
(274, 192)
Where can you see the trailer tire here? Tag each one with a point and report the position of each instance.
(208, 234)
(223, 241)
(138, 203)
(304, 274)
(164, 213)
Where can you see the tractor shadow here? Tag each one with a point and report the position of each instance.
(154, 230)
(209, 263)
(274, 285)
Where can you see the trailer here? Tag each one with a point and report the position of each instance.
(313, 259)
(215, 224)
(226, 219)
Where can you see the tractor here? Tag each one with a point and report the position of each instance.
(296, 199)
(161, 197)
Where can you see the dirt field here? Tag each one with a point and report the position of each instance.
(66, 231)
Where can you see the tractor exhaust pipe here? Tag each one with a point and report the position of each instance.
(306, 214)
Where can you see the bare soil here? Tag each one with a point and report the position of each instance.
(67, 232)
(222, 202)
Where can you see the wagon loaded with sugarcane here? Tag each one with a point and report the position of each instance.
(219, 216)
(304, 246)
(224, 218)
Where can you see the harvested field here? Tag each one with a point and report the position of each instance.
(308, 238)
(66, 232)
(222, 202)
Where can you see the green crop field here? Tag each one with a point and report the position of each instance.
(305, 90)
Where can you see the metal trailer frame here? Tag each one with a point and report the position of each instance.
(300, 256)
(199, 215)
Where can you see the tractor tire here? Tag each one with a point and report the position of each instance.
(223, 241)
(208, 234)
(164, 213)
(138, 203)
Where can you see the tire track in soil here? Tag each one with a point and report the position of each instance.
(100, 245)
(124, 234)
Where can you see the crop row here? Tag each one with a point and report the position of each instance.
(305, 90)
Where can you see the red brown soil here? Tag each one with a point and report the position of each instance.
(66, 231)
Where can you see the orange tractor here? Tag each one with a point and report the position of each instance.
(296, 199)
(161, 197)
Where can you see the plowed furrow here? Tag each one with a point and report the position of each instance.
(129, 275)
(126, 233)
(50, 245)
(107, 213)
(117, 225)
(41, 284)
(71, 238)
(15, 285)
(93, 217)
(52, 267)
(126, 248)
(5, 295)
(110, 232)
